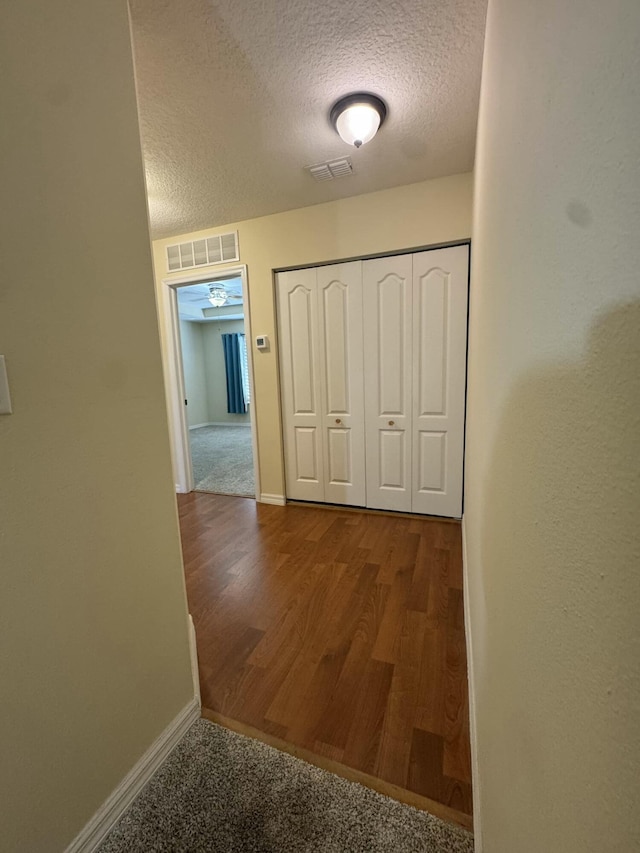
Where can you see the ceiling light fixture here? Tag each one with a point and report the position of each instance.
(217, 295)
(356, 118)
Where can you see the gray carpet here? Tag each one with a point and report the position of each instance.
(222, 460)
(221, 792)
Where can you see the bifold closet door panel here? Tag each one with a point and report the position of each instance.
(373, 373)
(339, 289)
(300, 376)
(387, 296)
(440, 288)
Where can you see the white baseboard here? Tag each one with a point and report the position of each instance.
(277, 500)
(120, 799)
(477, 825)
(193, 649)
(221, 423)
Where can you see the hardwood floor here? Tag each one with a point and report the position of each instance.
(338, 633)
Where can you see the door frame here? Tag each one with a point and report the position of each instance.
(175, 372)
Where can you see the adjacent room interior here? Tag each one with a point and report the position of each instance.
(215, 371)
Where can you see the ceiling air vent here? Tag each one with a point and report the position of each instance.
(332, 169)
(217, 249)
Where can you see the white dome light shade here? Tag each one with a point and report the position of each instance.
(357, 118)
(358, 124)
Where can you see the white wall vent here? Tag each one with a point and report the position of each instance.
(216, 249)
(332, 169)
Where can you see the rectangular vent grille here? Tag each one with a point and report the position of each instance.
(217, 249)
(332, 169)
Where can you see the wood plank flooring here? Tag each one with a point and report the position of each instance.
(339, 633)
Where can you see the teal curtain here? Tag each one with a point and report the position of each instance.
(236, 403)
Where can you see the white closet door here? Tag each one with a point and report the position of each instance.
(387, 295)
(300, 376)
(342, 382)
(439, 372)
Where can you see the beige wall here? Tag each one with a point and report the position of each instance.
(406, 217)
(94, 660)
(552, 497)
(195, 379)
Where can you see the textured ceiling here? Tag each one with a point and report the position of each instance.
(234, 97)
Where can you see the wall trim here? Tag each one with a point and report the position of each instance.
(193, 650)
(221, 423)
(475, 776)
(276, 500)
(121, 798)
(230, 423)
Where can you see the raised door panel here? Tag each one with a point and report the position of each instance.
(440, 288)
(301, 400)
(387, 305)
(341, 382)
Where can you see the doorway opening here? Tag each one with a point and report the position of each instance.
(214, 418)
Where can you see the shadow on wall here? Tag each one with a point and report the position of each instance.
(562, 554)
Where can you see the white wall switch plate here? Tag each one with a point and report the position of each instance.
(5, 397)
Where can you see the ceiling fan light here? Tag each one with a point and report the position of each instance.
(358, 117)
(217, 296)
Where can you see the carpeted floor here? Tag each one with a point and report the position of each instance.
(222, 460)
(221, 792)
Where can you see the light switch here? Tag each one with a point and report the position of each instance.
(5, 398)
